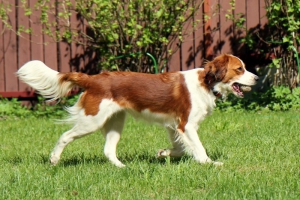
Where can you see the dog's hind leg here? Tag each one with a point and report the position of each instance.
(78, 131)
(84, 125)
(178, 148)
(112, 130)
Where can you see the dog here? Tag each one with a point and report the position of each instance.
(177, 100)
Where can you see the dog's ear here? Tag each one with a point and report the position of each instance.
(215, 70)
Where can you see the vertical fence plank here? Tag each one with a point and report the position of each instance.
(199, 36)
(64, 49)
(50, 47)
(188, 46)
(207, 29)
(64, 57)
(10, 53)
(78, 51)
(75, 56)
(36, 36)
(23, 43)
(2, 71)
(226, 27)
(212, 40)
(238, 48)
(263, 20)
(252, 13)
(174, 63)
(81, 49)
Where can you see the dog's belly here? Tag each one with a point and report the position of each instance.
(157, 118)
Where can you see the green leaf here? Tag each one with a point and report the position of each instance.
(285, 39)
(159, 13)
(139, 26)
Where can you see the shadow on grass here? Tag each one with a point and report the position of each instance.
(152, 159)
(217, 155)
(89, 159)
(80, 159)
(14, 160)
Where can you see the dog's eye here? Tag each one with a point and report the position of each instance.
(240, 68)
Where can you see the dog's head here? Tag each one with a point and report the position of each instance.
(227, 74)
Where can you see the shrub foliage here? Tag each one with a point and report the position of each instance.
(274, 99)
(116, 28)
(278, 40)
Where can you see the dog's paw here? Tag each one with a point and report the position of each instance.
(209, 161)
(217, 163)
(118, 163)
(53, 160)
(163, 153)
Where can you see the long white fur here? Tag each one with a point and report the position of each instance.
(73, 113)
(43, 79)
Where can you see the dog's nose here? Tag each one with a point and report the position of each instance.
(256, 78)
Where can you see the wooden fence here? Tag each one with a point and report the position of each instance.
(217, 35)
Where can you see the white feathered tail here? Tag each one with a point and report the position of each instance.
(44, 79)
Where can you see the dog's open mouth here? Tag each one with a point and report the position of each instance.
(239, 89)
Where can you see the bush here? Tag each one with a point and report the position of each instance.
(13, 108)
(114, 28)
(274, 99)
(278, 40)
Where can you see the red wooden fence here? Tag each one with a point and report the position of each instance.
(215, 36)
(218, 35)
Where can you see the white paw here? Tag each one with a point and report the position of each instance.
(119, 164)
(209, 161)
(218, 163)
(162, 153)
(54, 160)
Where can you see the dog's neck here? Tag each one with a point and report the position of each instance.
(219, 91)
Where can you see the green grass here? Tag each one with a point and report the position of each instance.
(260, 151)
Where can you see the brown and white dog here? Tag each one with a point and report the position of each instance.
(177, 100)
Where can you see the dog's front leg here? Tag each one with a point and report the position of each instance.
(193, 145)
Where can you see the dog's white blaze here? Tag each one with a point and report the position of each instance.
(246, 79)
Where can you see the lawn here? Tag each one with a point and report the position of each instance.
(260, 152)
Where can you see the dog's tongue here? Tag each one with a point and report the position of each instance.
(236, 87)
